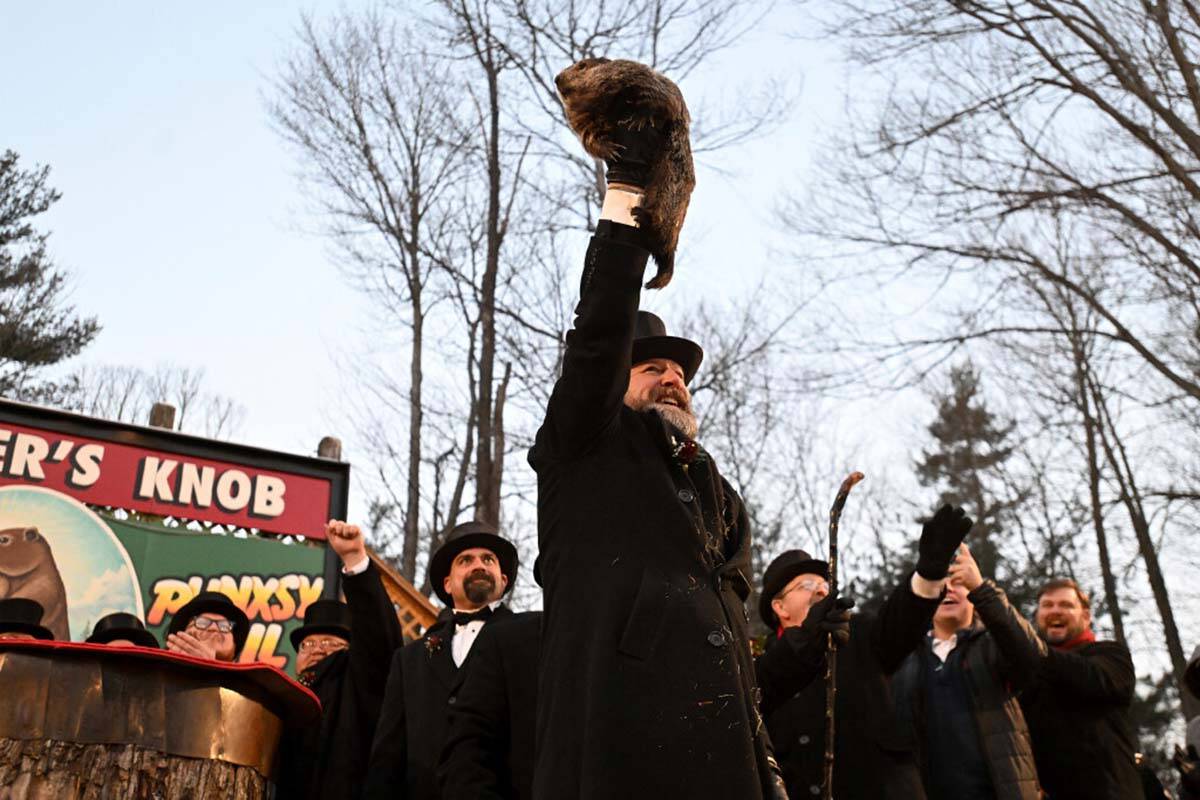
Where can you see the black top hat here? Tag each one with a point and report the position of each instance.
(120, 625)
(650, 340)
(787, 565)
(323, 616)
(22, 615)
(464, 537)
(213, 603)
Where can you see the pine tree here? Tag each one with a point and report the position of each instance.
(971, 446)
(37, 327)
(966, 465)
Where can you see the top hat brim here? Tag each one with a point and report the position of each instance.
(439, 565)
(781, 579)
(139, 636)
(304, 631)
(684, 352)
(212, 605)
(33, 629)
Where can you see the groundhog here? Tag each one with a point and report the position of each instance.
(27, 569)
(598, 93)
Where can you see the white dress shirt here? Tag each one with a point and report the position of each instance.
(465, 635)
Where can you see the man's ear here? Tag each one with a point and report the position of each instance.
(503, 585)
(446, 585)
(1087, 619)
(777, 607)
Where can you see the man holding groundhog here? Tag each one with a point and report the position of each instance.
(646, 682)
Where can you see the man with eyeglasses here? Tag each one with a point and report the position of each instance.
(209, 626)
(342, 654)
(873, 759)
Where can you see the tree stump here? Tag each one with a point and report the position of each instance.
(54, 770)
(88, 722)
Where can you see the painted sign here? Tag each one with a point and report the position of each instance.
(167, 484)
(68, 539)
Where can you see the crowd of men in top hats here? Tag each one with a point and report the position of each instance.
(638, 680)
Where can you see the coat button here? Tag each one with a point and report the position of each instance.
(686, 495)
(804, 739)
(814, 790)
(716, 639)
(452, 700)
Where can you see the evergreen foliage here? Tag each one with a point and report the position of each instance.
(38, 328)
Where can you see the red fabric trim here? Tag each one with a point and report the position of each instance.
(1087, 637)
(779, 632)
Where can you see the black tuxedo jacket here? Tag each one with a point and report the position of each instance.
(488, 754)
(422, 686)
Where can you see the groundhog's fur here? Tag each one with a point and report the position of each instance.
(598, 93)
(27, 569)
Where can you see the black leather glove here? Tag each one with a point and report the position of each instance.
(940, 537)
(1188, 765)
(830, 617)
(637, 150)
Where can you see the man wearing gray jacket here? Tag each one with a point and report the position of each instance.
(956, 694)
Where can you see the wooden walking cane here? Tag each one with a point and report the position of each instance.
(835, 514)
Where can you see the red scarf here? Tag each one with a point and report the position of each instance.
(1087, 637)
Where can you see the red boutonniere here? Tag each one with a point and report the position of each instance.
(433, 644)
(686, 452)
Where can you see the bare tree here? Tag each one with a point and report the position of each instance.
(125, 394)
(372, 115)
(1037, 159)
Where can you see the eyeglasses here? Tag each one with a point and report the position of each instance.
(808, 585)
(205, 624)
(329, 645)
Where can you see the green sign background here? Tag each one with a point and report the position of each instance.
(272, 582)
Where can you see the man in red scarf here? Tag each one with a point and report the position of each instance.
(1077, 707)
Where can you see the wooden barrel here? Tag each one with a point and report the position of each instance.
(86, 722)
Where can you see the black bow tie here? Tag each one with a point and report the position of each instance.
(482, 615)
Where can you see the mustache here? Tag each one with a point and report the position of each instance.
(671, 393)
(479, 575)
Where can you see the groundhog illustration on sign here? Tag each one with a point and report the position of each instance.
(27, 569)
(599, 93)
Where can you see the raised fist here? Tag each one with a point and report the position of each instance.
(347, 541)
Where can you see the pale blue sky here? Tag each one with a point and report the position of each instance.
(183, 224)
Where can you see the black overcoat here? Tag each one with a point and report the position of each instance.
(646, 682)
(331, 760)
(1077, 709)
(873, 757)
(421, 687)
(488, 753)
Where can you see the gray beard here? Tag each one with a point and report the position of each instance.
(684, 421)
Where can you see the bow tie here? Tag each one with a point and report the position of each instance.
(482, 615)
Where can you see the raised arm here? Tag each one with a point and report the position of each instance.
(376, 631)
(906, 613)
(375, 628)
(1019, 651)
(588, 396)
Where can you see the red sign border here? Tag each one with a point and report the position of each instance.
(337, 473)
